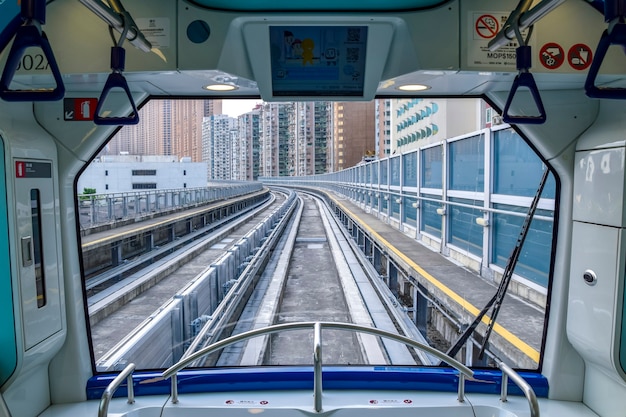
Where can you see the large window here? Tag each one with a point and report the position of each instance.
(428, 195)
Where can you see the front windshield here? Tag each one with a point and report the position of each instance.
(212, 218)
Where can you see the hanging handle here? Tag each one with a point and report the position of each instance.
(116, 80)
(33, 14)
(616, 36)
(28, 36)
(524, 79)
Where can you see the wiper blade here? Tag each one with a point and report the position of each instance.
(498, 298)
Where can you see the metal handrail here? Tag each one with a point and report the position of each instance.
(317, 326)
(508, 372)
(127, 374)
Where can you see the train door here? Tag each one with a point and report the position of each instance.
(8, 346)
(39, 278)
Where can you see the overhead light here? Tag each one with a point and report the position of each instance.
(413, 87)
(220, 87)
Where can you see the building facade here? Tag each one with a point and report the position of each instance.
(354, 133)
(128, 173)
(248, 125)
(218, 135)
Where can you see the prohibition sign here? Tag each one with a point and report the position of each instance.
(487, 26)
(579, 56)
(551, 55)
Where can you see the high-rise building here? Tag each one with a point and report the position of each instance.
(212, 107)
(166, 127)
(217, 145)
(383, 129)
(309, 134)
(248, 145)
(354, 133)
(274, 139)
(417, 122)
(186, 129)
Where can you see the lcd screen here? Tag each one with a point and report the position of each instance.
(318, 60)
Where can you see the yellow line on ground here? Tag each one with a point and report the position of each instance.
(510, 337)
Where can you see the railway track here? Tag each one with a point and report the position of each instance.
(286, 279)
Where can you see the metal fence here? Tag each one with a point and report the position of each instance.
(98, 209)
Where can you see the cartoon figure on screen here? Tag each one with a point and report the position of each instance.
(288, 39)
(296, 49)
(307, 51)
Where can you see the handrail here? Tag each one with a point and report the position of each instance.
(614, 35)
(173, 370)
(114, 19)
(528, 391)
(117, 80)
(524, 20)
(30, 34)
(127, 374)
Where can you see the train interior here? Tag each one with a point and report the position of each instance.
(569, 107)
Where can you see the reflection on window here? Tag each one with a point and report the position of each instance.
(383, 172)
(431, 221)
(534, 260)
(517, 169)
(40, 278)
(464, 232)
(395, 171)
(432, 167)
(409, 169)
(467, 164)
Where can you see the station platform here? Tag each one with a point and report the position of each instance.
(518, 332)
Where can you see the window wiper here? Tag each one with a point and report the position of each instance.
(496, 300)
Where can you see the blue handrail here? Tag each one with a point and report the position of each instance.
(614, 14)
(116, 80)
(28, 35)
(524, 79)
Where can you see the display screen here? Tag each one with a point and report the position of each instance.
(318, 60)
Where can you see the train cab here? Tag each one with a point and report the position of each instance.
(551, 75)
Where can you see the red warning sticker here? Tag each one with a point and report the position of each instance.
(551, 55)
(487, 26)
(579, 56)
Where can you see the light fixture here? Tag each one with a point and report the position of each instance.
(220, 87)
(413, 87)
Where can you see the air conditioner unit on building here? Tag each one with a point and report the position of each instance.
(496, 120)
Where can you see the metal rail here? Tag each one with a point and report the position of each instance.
(127, 374)
(115, 20)
(317, 326)
(507, 373)
(522, 22)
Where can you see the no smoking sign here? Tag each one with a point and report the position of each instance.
(486, 26)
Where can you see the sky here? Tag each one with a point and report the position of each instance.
(234, 108)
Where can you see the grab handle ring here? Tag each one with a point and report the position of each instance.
(116, 80)
(524, 79)
(616, 36)
(26, 36)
